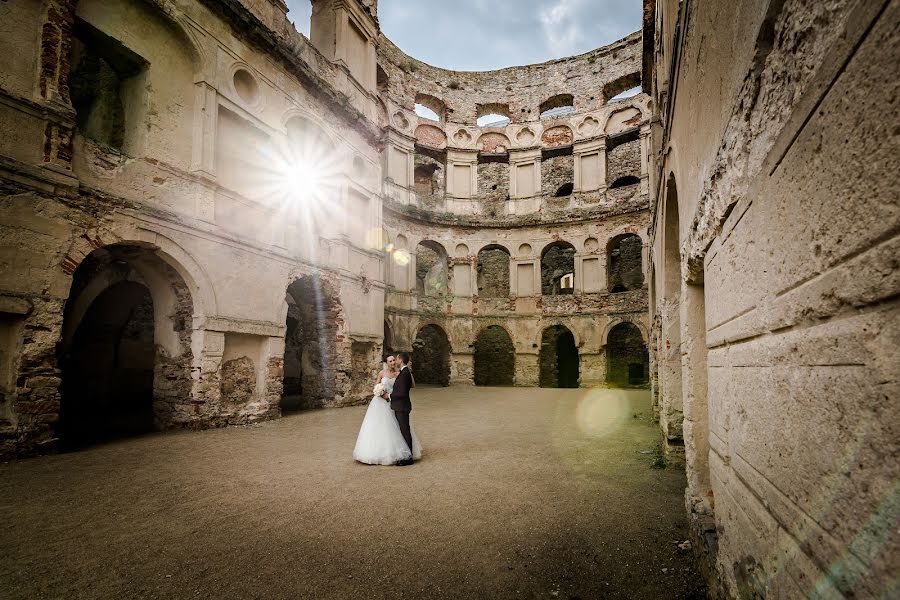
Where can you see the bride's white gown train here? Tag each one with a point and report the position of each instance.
(380, 441)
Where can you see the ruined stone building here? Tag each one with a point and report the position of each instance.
(773, 286)
(211, 215)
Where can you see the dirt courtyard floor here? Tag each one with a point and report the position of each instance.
(521, 493)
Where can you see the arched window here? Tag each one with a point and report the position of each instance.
(624, 267)
(626, 94)
(565, 190)
(625, 181)
(618, 88)
(430, 107)
(431, 269)
(426, 113)
(381, 78)
(558, 262)
(556, 106)
(492, 115)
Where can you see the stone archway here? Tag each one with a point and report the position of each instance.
(310, 348)
(494, 357)
(431, 356)
(627, 359)
(558, 358)
(125, 353)
(624, 270)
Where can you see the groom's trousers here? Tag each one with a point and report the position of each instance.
(403, 421)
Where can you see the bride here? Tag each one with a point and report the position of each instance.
(380, 441)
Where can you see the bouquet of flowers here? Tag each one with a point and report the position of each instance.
(379, 390)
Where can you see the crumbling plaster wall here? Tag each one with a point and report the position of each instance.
(462, 314)
(570, 144)
(523, 89)
(64, 196)
(787, 291)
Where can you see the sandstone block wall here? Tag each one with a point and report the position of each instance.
(774, 277)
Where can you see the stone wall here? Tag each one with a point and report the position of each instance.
(774, 253)
(120, 155)
(518, 91)
(558, 175)
(493, 273)
(623, 160)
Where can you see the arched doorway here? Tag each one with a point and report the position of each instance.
(624, 271)
(558, 358)
(125, 353)
(431, 356)
(309, 345)
(627, 360)
(494, 357)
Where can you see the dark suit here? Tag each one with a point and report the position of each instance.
(401, 404)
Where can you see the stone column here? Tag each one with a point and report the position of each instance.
(527, 368)
(462, 368)
(209, 346)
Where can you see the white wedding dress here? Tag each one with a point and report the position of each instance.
(380, 441)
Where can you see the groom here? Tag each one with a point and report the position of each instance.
(400, 402)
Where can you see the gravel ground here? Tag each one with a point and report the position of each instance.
(522, 493)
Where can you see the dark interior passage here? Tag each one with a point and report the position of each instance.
(494, 357)
(309, 345)
(627, 360)
(431, 356)
(558, 358)
(107, 369)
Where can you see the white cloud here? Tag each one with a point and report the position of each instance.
(561, 27)
(491, 34)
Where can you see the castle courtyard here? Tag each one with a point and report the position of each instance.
(521, 493)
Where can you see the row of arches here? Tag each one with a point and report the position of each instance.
(498, 114)
(624, 266)
(494, 356)
(127, 352)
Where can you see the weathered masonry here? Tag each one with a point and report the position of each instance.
(774, 287)
(209, 219)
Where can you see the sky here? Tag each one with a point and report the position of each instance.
(480, 35)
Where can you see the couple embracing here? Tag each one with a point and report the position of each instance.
(386, 436)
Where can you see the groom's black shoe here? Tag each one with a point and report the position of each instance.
(404, 463)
